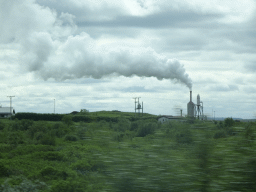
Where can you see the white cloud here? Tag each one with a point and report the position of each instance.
(214, 40)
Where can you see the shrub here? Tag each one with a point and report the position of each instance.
(229, 122)
(67, 186)
(3, 170)
(47, 140)
(135, 125)
(118, 137)
(59, 130)
(220, 134)
(82, 167)
(25, 124)
(148, 128)
(22, 185)
(39, 116)
(2, 125)
(71, 138)
(67, 119)
(29, 149)
(15, 138)
(39, 126)
(122, 125)
(50, 173)
(49, 170)
(184, 136)
(49, 155)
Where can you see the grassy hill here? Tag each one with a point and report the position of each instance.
(127, 154)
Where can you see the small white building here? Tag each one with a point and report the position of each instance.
(166, 118)
(6, 111)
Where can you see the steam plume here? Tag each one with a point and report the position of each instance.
(49, 49)
(80, 57)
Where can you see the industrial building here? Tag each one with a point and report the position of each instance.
(195, 110)
(167, 118)
(6, 111)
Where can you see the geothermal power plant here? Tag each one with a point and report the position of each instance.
(195, 110)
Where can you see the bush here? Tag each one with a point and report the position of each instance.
(22, 185)
(49, 155)
(47, 140)
(148, 128)
(123, 125)
(82, 167)
(49, 170)
(50, 173)
(118, 137)
(2, 125)
(39, 126)
(39, 116)
(67, 119)
(135, 125)
(71, 138)
(67, 186)
(83, 118)
(3, 170)
(15, 138)
(229, 122)
(184, 136)
(220, 134)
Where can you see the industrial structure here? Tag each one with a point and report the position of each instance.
(167, 118)
(138, 107)
(6, 111)
(195, 110)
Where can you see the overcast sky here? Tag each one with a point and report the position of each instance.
(100, 54)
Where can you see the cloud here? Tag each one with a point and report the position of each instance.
(46, 52)
(21, 18)
(158, 20)
(81, 57)
(250, 67)
(223, 88)
(86, 51)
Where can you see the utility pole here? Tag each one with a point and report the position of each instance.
(54, 106)
(11, 105)
(139, 107)
(135, 104)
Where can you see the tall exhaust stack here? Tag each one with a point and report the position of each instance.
(190, 107)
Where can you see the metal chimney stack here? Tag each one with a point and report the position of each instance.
(191, 107)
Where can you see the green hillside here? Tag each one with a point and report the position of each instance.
(126, 155)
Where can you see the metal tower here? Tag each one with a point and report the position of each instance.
(138, 107)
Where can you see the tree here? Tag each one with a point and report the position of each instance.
(67, 119)
(84, 111)
(229, 122)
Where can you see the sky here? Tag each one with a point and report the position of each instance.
(64, 56)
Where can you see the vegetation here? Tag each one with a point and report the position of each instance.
(126, 154)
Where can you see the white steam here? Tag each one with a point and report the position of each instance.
(49, 48)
